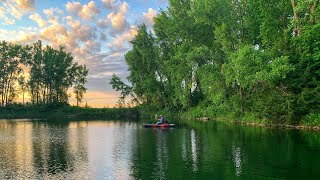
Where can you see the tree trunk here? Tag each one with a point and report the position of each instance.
(312, 9)
(37, 95)
(77, 97)
(8, 86)
(295, 14)
(241, 100)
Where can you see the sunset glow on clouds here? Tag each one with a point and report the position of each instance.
(96, 32)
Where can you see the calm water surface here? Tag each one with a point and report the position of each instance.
(125, 150)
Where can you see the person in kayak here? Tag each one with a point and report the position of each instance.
(161, 120)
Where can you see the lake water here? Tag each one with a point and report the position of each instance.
(127, 150)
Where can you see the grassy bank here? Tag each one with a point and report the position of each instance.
(150, 114)
(310, 121)
(57, 111)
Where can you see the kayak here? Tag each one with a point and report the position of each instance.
(159, 125)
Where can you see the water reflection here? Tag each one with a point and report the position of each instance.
(237, 159)
(193, 150)
(126, 150)
(161, 153)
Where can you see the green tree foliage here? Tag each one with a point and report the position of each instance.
(142, 61)
(244, 58)
(80, 74)
(52, 73)
(10, 57)
(124, 89)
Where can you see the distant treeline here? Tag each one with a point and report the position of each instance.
(251, 59)
(63, 111)
(46, 73)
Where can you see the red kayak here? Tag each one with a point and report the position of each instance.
(159, 125)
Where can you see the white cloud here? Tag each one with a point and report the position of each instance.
(51, 12)
(73, 7)
(118, 20)
(26, 37)
(74, 24)
(5, 18)
(38, 19)
(109, 4)
(85, 12)
(93, 47)
(147, 18)
(121, 40)
(15, 12)
(26, 5)
(54, 34)
(84, 33)
(17, 8)
(22, 35)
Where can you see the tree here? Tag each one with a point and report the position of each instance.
(10, 58)
(79, 81)
(143, 66)
(125, 90)
(23, 86)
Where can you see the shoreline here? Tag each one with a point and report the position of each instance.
(110, 113)
(261, 124)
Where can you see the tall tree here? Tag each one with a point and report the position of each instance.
(79, 81)
(142, 61)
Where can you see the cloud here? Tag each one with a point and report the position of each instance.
(7, 21)
(97, 39)
(118, 19)
(105, 64)
(85, 12)
(74, 24)
(102, 23)
(121, 40)
(84, 33)
(51, 12)
(14, 11)
(54, 34)
(38, 19)
(26, 37)
(147, 18)
(74, 7)
(103, 36)
(93, 46)
(109, 4)
(21, 35)
(26, 5)
(100, 98)
(16, 8)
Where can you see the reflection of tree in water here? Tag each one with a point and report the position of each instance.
(58, 149)
(194, 150)
(50, 148)
(161, 165)
(15, 149)
(143, 153)
(121, 150)
(236, 152)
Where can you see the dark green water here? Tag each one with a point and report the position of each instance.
(126, 150)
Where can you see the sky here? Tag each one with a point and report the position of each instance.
(96, 32)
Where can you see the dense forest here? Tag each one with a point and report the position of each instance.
(42, 71)
(250, 59)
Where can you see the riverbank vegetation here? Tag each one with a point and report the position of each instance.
(64, 110)
(248, 60)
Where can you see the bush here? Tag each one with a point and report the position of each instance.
(312, 119)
